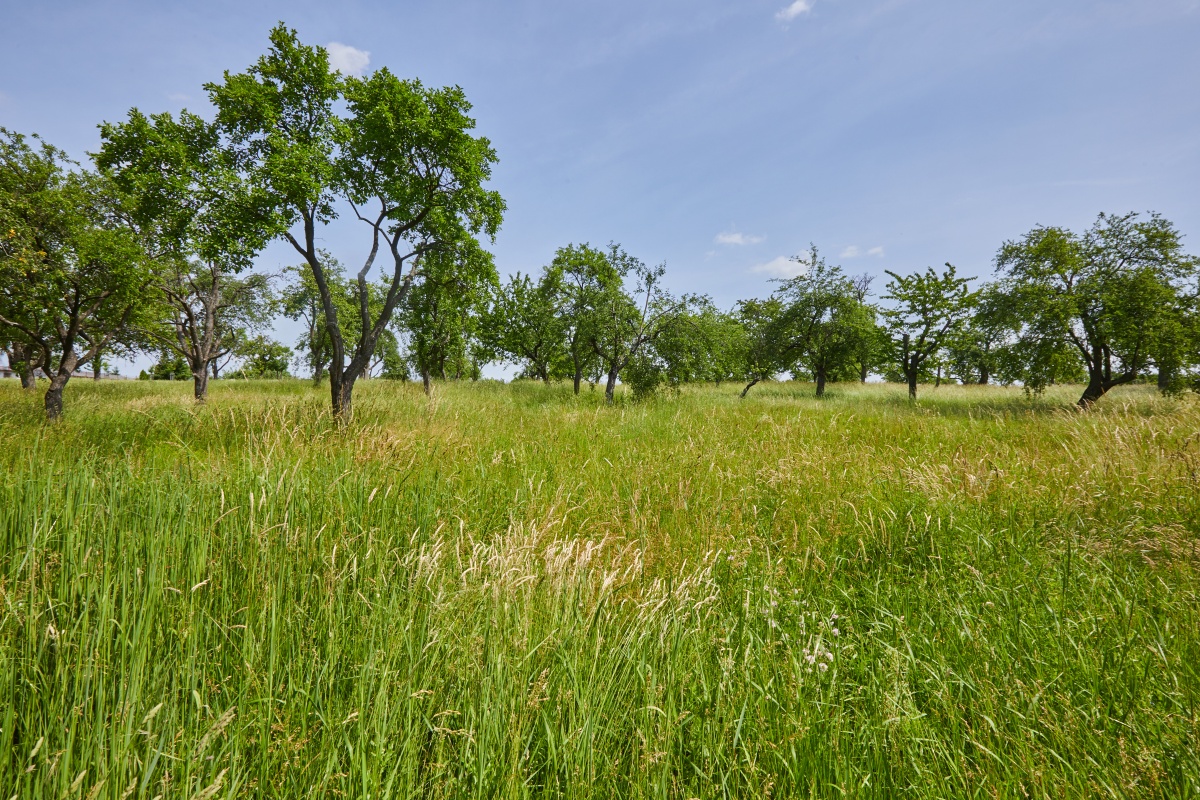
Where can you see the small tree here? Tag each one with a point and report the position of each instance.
(524, 323)
(441, 315)
(80, 286)
(622, 324)
(1109, 296)
(930, 310)
(761, 354)
(824, 325)
(587, 276)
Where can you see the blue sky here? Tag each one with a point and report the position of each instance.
(720, 138)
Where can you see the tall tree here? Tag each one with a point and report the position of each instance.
(1108, 295)
(204, 224)
(930, 309)
(81, 284)
(402, 158)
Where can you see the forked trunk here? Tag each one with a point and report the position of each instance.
(1094, 390)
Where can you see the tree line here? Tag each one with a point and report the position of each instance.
(151, 248)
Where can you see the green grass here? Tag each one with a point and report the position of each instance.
(508, 592)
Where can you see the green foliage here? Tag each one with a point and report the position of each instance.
(73, 274)
(401, 155)
(169, 367)
(929, 312)
(1109, 299)
(441, 315)
(524, 323)
(262, 357)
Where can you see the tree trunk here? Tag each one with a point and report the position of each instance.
(1094, 390)
(342, 392)
(912, 384)
(427, 383)
(1164, 380)
(862, 374)
(610, 388)
(21, 363)
(938, 381)
(578, 375)
(984, 376)
(749, 386)
(318, 371)
(96, 367)
(213, 365)
(54, 401)
(200, 383)
(820, 376)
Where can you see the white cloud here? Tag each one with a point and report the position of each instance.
(737, 238)
(781, 267)
(854, 251)
(346, 59)
(178, 97)
(795, 9)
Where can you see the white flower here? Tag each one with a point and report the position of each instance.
(823, 666)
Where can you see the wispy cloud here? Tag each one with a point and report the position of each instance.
(854, 251)
(781, 267)
(793, 10)
(346, 59)
(732, 237)
(178, 97)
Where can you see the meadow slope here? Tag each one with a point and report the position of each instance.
(507, 591)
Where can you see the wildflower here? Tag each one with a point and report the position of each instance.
(823, 666)
(835, 632)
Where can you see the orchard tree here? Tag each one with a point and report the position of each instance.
(204, 224)
(623, 323)
(761, 355)
(401, 157)
(929, 311)
(824, 325)
(1110, 296)
(441, 315)
(979, 351)
(524, 323)
(587, 276)
(78, 284)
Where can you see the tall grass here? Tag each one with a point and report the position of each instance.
(507, 591)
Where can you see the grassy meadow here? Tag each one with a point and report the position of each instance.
(506, 591)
